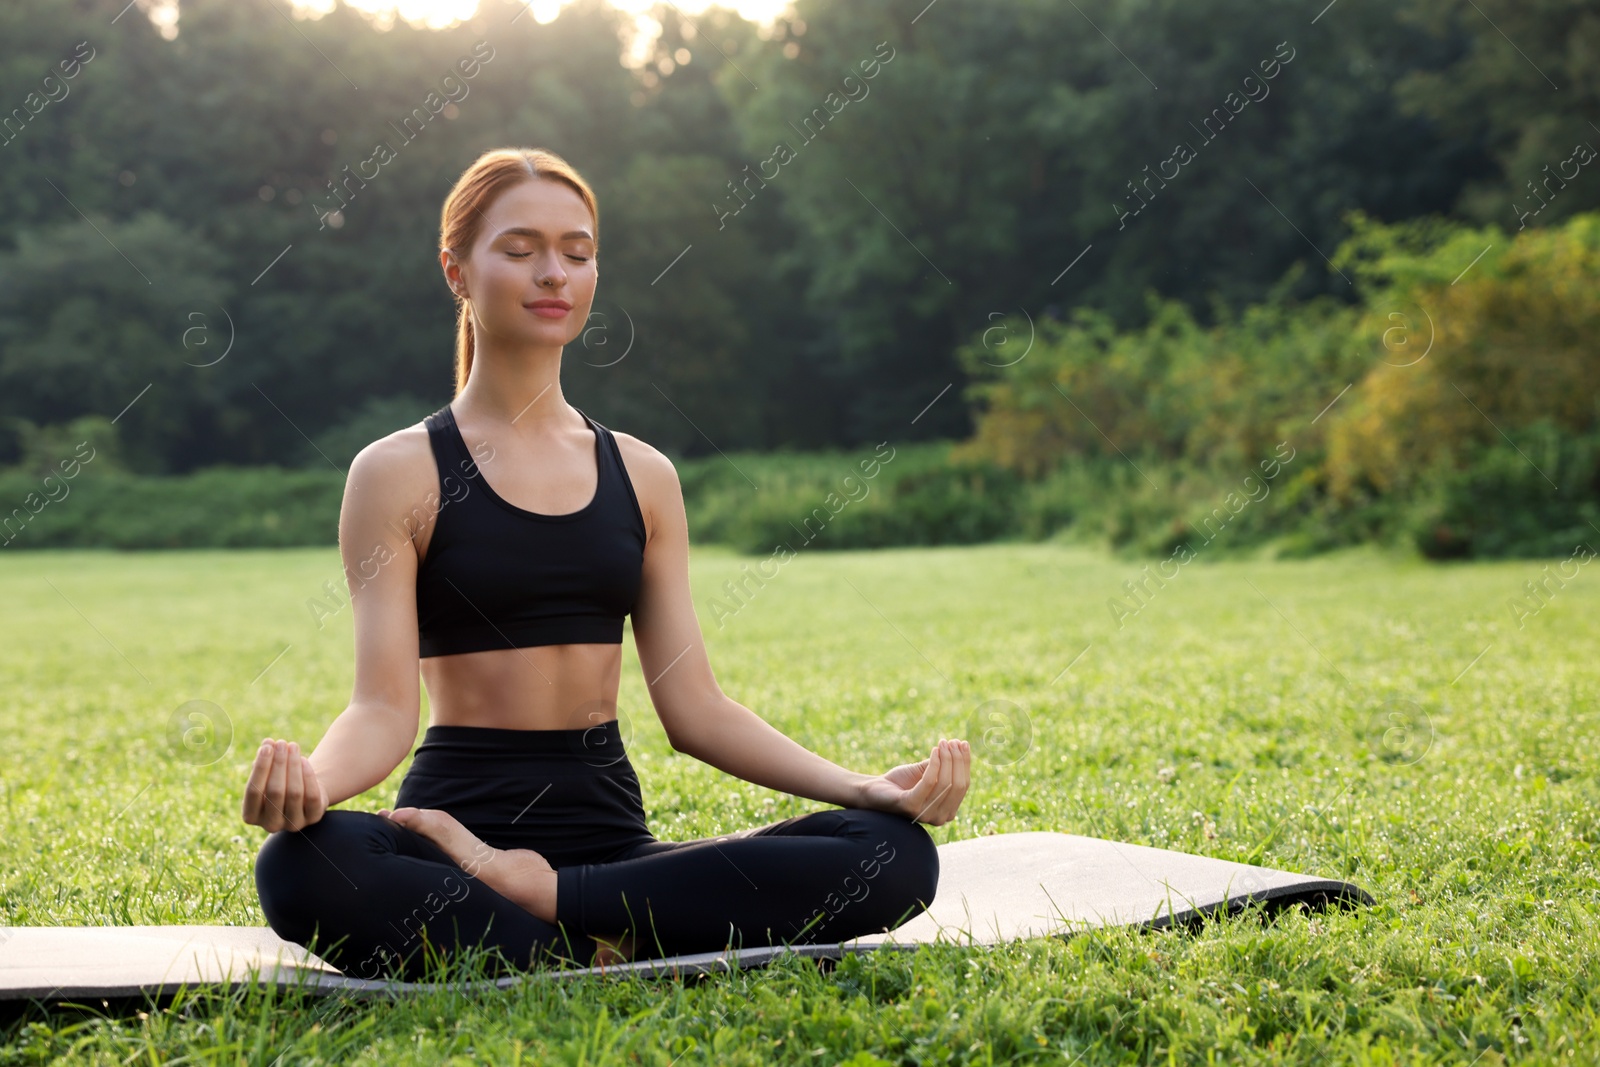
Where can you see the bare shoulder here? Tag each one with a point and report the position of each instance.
(397, 455)
(647, 458)
(393, 483)
(654, 478)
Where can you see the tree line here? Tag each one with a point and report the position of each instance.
(171, 256)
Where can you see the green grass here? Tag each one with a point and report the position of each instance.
(1243, 713)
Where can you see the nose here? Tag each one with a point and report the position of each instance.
(549, 270)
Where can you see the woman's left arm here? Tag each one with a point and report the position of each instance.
(704, 722)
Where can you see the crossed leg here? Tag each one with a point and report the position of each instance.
(521, 875)
(369, 896)
(832, 874)
(377, 889)
(822, 877)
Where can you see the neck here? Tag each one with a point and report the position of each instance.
(521, 387)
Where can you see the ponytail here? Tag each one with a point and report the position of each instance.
(463, 342)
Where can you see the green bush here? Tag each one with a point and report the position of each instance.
(922, 501)
(1495, 505)
(1536, 501)
(1398, 407)
(219, 507)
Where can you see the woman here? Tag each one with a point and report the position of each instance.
(519, 826)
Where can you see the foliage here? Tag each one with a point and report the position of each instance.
(875, 285)
(1518, 82)
(872, 498)
(378, 417)
(1474, 351)
(48, 450)
(1541, 501)
(824, 312)
(1172, 389)
(1470, 347)
(218, 507)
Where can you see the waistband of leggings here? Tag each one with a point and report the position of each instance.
(490, 751)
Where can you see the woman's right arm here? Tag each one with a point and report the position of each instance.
(365, 743)
(370, 738)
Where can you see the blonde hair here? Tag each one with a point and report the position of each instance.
(462, 218)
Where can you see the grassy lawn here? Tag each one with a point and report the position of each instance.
(1357, 716)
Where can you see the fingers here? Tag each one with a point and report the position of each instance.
(268, 796)
(255, 788)
(941, 802)
(294, 788)
(276, 780)
(961, 779)
(944, 783)
(276, 795)
(925, 794)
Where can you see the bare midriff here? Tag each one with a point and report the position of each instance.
(543, 687)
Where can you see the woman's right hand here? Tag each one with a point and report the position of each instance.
(283, 792)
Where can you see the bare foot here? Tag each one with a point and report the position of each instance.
(520, 875)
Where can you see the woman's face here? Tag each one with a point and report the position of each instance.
(536, 243)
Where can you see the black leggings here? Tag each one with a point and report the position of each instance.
(366, 895)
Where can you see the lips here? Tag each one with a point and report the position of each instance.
(549, 308)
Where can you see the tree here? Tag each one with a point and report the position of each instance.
(1522, 81)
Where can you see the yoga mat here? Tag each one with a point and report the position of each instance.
(992, 889)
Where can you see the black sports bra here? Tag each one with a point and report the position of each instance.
(496, 576)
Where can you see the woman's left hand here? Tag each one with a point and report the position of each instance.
(929, 791)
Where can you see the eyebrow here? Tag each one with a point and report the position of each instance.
(526, 232)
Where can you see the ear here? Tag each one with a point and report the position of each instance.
(452, 272)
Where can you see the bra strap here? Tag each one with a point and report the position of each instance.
(621, 483)
(451, 457)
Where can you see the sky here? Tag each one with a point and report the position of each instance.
(441, 13)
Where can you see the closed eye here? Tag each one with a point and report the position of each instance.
(525, 255)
